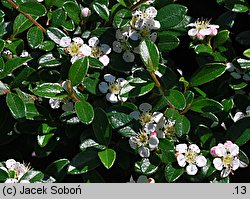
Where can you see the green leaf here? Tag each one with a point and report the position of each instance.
(2, 44)
(182, 126)
(91, 143)
(73, 11)
(176, 98)
(207, 73)
(226, 20)
(78, 70)
(55, 34)
(83, 162)
(247, 53)
(221, 38)
(238, 7)
(172, 174)
(15, 105)
(202, 105)
(49, 60)
(3, 174)
(84, 111)
(149, 55)
(122, 18)
(102, 128)
(101, 10)
(21, 23)
(47, 46)
(58, 169)
(239, 132)
(33, 176)
(49, 90)
(43, 140)
(22, 76)
(107, 157)
(145, 167)
(243, 38)
(203, 48)
(167, 150)
(35, 37)
(244, 63)
(33, 8)
(171, 15)
(167, 42)
(58, 17)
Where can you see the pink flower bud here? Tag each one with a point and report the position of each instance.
(86, 12)
(213, 151)
(154, 134)
(214, 31)
(151, 180)
(200, 36)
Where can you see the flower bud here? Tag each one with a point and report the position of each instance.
(86, 12)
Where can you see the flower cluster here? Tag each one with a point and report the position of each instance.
(190, 155)
(76, 48)
(201, 29)
(142, 25)
(16, 171)
(226, 158)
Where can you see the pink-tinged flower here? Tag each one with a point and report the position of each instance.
(144, 142)
(113, 87)
(86, 12)
(201, 29)
(226, 158)
(190, 155)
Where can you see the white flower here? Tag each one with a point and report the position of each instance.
(17, 167)
(146, 117)
(113, 87)
(201, 29)
(226, 158)
(191, 156)
(165, 128)
(144, 143)
(99, 51)
(11, 180)
(239, 115)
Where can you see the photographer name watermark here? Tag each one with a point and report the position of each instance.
(23, 189)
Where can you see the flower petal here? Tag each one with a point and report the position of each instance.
(103, 87)
(234, 150)
(192, 32)
(78, 40)
(111, 97)
(85, 50)
(181, 148)
(133, 142)
(105, 49)
(54, 103)
(181, 160)
(142, 179)
(201, 161)
(135, 115)
(65, 42)
(238, 116)
(235, 164)
(191, 169)
(128, 56)
(218, 164)
(144, 152)
(93, 42)
(109, 78)
(156, 117)
(153, 142)
(104, 59)
(194, 148)
(225, 172)
(145, 107)
(220, 150)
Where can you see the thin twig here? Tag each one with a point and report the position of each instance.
(71, 92)
(133, 7)
(28, 16)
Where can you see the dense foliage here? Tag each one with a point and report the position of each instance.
(124, 90)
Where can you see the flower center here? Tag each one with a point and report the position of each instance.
(73, 49)
(145, 32)
(169, 130)
(227, 160)
(202, 24)
(145, 118)
(142, 139)
(190, 157)
(96, 52)
(114, 88)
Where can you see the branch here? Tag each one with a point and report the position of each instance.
(28, 16)
(133, 7)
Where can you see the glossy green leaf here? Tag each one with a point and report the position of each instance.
(43, 140)
(33, 8)
(49, 90)
(202, 105)
(49, 60)
(73, 10)
(21, 23)
(172, 174)
(176, 98)
(58, 17)
(107, 157)
(247, 53)
(2, 44)
(15, 105)
(167, 150)
(221, 38)
(149, 55)
(83, 162)
(55, 34)
(171, 15)
(207, 73)
(35, 37)
(122, 18)
(203, 48)
(102, 128)
(47, 45)
(78, 70)
(145, 167)
(167, 42)
(101, 10)
(33, 176)
(182, 126)
(84, 111)
(3, 174)
(58, 169)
